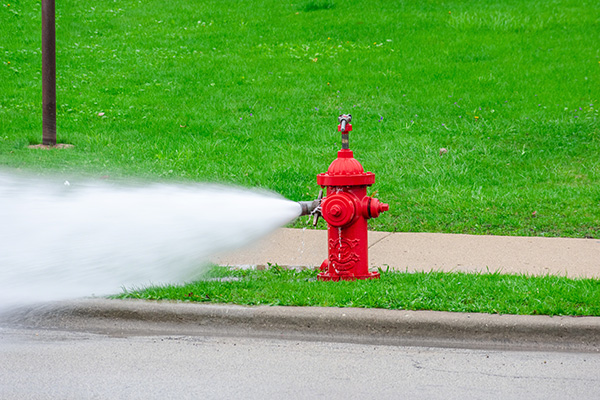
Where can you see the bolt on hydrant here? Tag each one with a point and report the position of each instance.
(346, 209)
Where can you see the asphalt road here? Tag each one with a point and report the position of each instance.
(51, 364)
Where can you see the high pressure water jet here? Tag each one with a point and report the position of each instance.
(346, 209)
(62, 240)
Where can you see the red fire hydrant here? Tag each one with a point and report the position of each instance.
(346, 209)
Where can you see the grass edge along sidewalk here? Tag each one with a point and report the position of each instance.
(492, 293)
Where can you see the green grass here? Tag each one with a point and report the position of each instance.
(458, 292)
(247, 92)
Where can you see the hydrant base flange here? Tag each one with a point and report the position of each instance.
(330, 274)
(324, 276)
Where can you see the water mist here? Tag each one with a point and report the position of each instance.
(61, 240)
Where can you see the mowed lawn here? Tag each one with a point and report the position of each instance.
(491, 293)
(247, 92)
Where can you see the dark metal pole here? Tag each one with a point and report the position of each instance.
(48, 73)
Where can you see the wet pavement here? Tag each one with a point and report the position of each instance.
(49, 364)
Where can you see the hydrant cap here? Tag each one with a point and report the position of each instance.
(339, 209)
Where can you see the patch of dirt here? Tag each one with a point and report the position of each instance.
(48, 147)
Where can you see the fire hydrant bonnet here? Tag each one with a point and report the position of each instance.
(345, 170)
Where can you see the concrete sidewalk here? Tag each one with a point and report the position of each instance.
(432, 251)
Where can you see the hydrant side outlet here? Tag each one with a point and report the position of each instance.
(346, 209)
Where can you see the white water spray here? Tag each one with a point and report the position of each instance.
(64, 240)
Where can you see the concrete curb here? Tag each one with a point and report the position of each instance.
(371, 326)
